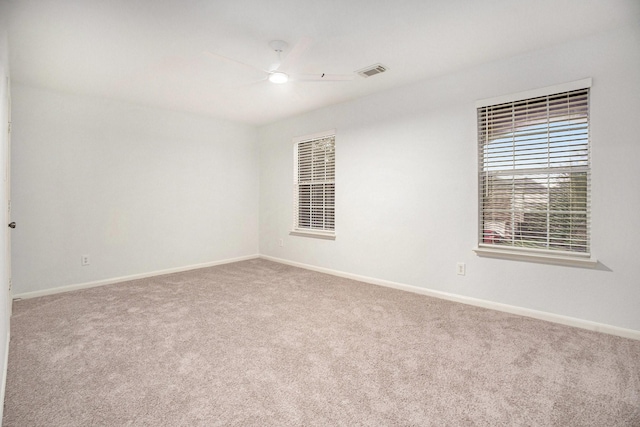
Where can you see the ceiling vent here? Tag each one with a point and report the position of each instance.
(372, 70)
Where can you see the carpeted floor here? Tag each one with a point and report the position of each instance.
(260, 343)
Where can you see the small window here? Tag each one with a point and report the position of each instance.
(534, 174)
(314, 185)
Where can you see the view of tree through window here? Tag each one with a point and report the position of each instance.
(534, 173)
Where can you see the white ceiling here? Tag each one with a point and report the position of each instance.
(151, 52)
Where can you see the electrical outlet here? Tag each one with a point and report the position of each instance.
(85, 260)
(281, 242)
(461, 268)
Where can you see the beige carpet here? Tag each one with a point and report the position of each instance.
(260, 343)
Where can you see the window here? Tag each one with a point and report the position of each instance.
(314, 185)
(534, 174)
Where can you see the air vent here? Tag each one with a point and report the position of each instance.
(372, 70)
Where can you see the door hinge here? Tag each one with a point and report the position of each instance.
(9, 127)
(10, 284)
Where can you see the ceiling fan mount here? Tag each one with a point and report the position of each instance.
(276, 76)
(278, 45)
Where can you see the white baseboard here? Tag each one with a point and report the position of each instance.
(110, 281)
(542, 315)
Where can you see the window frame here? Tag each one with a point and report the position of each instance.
(319, 233)
(582, 259)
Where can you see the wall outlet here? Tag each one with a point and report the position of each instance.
(281, 242)
(461, 268)
(85, 260)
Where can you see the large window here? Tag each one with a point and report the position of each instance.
(314, 185)
(534, 174)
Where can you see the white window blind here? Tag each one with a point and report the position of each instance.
(534, 174)
(314, 184)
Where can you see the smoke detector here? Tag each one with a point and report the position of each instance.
(372, 70)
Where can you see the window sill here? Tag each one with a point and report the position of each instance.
(314, 234)
(545, 258)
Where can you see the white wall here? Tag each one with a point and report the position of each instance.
(406, 203)
(138, 189)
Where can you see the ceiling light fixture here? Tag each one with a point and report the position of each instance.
(278, 77)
